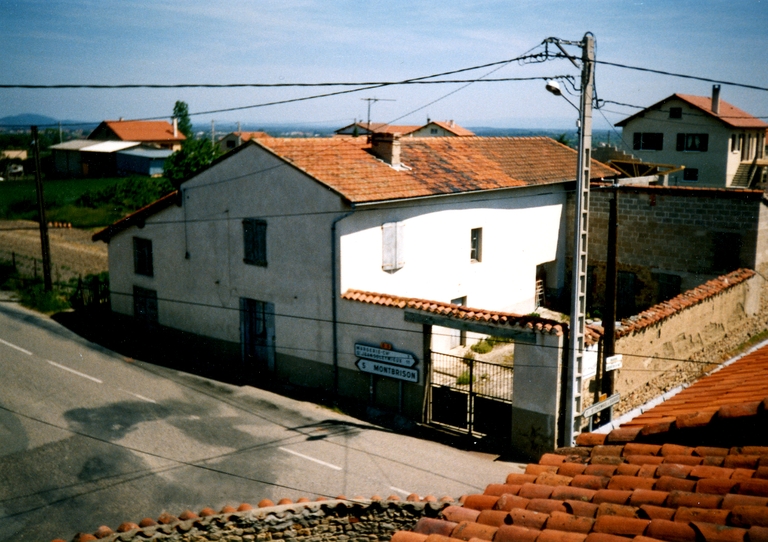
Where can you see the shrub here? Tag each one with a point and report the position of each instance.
(482, 347)
(463, 379)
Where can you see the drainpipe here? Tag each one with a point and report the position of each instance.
(334, 301)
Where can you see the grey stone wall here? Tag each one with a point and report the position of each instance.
(325, 521)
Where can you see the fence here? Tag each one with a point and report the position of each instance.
(471, 395)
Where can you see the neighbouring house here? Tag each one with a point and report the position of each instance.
(292, 258)
(719, 144)
(156, 133)
(93, 158)
(14, 154)
(432, 128)
(235, 139)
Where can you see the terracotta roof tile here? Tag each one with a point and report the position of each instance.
(434, 165)
(144, 130)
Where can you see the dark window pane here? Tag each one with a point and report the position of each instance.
(142, 257)
(255, 241)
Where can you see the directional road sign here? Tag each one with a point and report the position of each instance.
(387, 356)
(391, 371)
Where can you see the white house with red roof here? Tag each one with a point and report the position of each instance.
(719, 144)
(259, 254)
(158, 133)
(433, 128)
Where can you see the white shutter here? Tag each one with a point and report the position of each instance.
(392, 246)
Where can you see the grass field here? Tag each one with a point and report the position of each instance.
(113, 199)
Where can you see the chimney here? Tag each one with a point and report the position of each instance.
(120, 119)
(175, 127)
(387, 147)
(716, 99)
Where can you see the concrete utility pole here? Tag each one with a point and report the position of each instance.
(48, 284)
(579, 281)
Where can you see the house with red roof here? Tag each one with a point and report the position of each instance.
(432, 128)
(156, 133)
(340, 264)
(235, 139)
(718, 144)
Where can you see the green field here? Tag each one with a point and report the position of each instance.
(85, 203)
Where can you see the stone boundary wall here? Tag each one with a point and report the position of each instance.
(678, 340)
(321, 521)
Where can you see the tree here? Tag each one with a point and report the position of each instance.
(181, 114)
(195, 154)
(564, 139)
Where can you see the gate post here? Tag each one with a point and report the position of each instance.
(536, 395)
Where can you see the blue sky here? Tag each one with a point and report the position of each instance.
(152, 41)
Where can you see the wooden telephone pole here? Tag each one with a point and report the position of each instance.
(48, 284)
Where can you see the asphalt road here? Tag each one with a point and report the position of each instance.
(89, 438)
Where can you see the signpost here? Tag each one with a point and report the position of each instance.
(386, 356)
(613, 362)
(384, 369)
(602, 405)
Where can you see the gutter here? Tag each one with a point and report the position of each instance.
(334, 300)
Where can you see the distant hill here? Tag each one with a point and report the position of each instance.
(25, 120)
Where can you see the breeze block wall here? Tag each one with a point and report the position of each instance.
(694, 233)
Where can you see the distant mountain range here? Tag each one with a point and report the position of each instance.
(25, 120)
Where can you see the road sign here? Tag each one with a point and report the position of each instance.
(597, 407)
(613, 362)
(391, 371)
(387, 356)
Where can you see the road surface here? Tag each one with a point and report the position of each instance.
(89, 438)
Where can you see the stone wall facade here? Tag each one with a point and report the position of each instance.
(322, 521)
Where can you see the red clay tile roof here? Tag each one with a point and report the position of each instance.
(143, 130)
(529, 323)
(452, 127)
(665, 309)
(247, 136)
(137, 218)
(381, 128)
(729, 115)
(434, 165)
(693, 469)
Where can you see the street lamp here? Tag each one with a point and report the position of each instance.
(574, 386)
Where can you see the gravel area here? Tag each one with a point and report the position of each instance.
(73, 254)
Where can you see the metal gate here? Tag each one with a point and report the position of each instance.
(471, 396)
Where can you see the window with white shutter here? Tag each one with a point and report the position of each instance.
(392, 246)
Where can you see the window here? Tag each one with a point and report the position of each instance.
(735, 147)
(459, 336)
(675, 112)
(230, 144)
(726, 251)
(255, 241)
(142, 257)
(668, 286)
(433, 131)
(392, 246)
(476, 245)
(692, 142)
(648, 141)
(691, 174)
(145, 306)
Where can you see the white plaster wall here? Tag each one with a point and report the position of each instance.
(198, 254)
(713, 165)
(521, 228)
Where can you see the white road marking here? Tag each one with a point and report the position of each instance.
(147, 399)
(335, 467)
(19, 348)
(78, 373)
(404, 492)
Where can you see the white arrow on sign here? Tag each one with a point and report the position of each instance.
(391, 371)
(597, 407)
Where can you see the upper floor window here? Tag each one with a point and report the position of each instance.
(142, 257)
(392, 246)
(476, 245)
(433, 131)
(675, 112)
(692, 142)
(255, 241)
(230, 143)
(648, 141)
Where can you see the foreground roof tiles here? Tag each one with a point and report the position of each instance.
(432, 165)
(704, 478)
